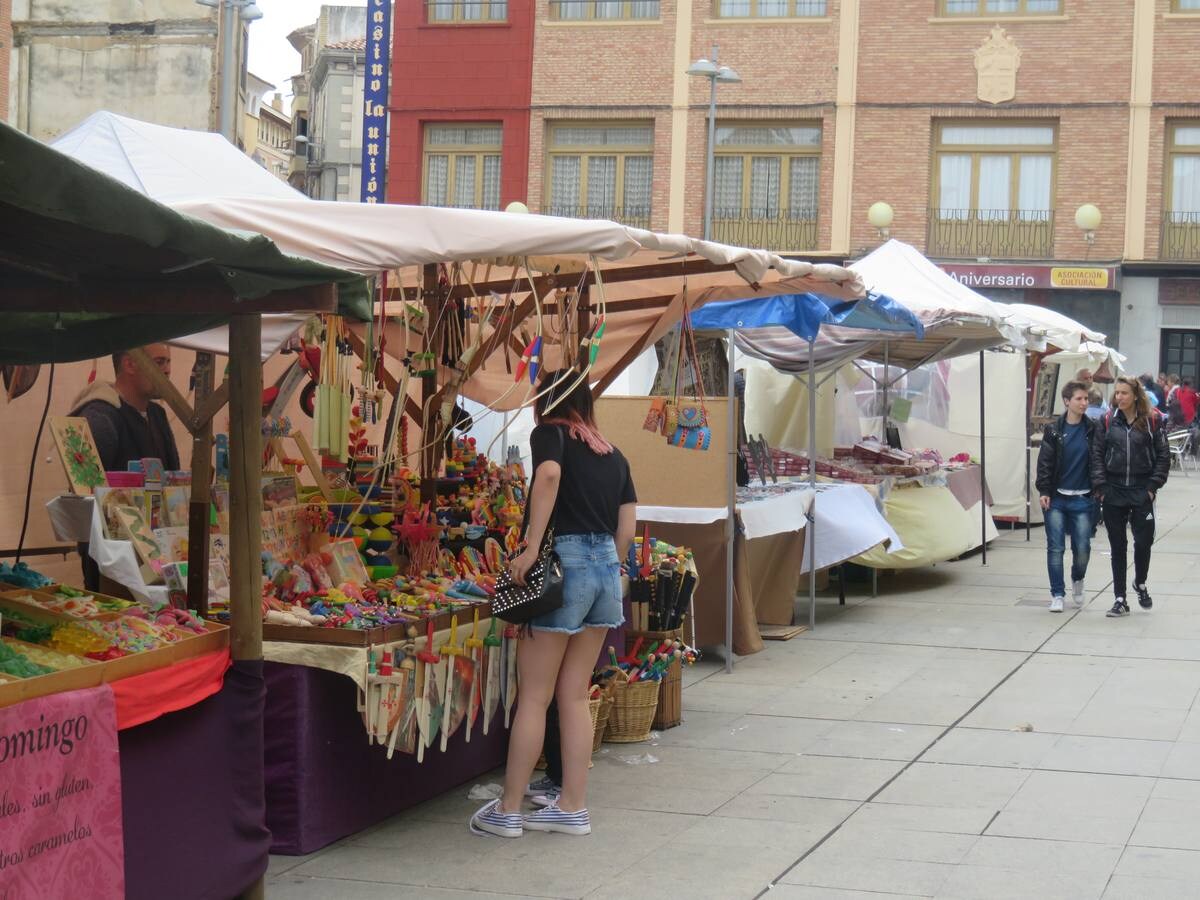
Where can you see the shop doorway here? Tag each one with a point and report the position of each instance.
(1180, 353)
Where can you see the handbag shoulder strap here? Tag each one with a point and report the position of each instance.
(562, 443)
(697, 378)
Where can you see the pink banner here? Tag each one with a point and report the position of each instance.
(60, 798)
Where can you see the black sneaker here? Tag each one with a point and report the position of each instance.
(1144, 600)
(1120, 608)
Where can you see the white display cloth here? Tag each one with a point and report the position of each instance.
(760, 517)
(71, 517)
(847, 523)
(118, 562)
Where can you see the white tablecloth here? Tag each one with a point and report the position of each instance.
(760, 518)
(78, 519)
(848, 522)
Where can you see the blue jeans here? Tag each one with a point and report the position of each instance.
(591, 585)
(1075, 516)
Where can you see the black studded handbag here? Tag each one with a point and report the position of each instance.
(543, 589)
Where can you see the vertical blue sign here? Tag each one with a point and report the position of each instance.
(375, 100)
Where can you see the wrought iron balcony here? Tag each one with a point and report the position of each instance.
(784, 230)
(1180, 236)
(633, 216)
(991, 233)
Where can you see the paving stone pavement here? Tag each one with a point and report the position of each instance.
(950, 738)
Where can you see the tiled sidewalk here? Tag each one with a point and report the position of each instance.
(887, 754)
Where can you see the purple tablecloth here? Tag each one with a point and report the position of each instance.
(192, 796)
(324, 781)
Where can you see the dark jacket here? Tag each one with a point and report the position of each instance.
(1130, 457)
(1049, 464)
(122, 434)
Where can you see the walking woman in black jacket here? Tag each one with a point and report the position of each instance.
(1130, 461)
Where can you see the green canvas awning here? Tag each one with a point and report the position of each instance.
(89, 266)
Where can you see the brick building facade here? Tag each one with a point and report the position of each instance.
(984, 124)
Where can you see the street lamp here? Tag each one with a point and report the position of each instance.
(705, 68)
(880, 215)
(228, 13)
(1087, 220)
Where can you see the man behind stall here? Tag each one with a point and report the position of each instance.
(126, 425)
(125, 422)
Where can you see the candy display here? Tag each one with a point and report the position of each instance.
(21, 575)
(61, 629)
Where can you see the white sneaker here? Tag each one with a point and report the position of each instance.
(1056, 604)
(1077, 593)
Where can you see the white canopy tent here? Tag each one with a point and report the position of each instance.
(205, 176)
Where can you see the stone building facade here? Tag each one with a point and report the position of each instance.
(155, 60)
(327, 104)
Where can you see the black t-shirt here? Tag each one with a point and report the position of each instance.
(592, 488)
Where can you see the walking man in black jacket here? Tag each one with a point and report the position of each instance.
(1130, 462)
(1065, 488)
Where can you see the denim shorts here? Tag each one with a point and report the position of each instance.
(591, 585)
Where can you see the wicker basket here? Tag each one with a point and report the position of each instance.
(600, 719)
(632, 714)
(670, 694)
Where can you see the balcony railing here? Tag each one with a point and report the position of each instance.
(991, 233)
(768, 230)
(633, 216)
(1180, 236)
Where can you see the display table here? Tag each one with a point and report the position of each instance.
(192, 796)
(324, 781)
(767, 568)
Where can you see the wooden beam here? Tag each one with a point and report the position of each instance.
(314, 466)
(429, 458)
(211, 406)
(390, 382)
(692, 265)
(245, 486)
(165, 387)
(200, 502)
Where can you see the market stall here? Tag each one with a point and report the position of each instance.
(956, 322)
(86, 268)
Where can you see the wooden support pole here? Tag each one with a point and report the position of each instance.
(199, 507)
(429, 458)
(245, 486)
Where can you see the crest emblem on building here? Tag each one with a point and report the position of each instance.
(996, 64)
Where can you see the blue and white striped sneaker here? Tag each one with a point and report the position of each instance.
(489, 820)
(554, 819)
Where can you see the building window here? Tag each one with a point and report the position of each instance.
(993, 189)
(462, 166)
(1181, 218)
(769, 9)
(1180, 353)
(601, 10)
(1002, 7)
(466, 12)
(1185, 5)
(601, 171)
(766, 185)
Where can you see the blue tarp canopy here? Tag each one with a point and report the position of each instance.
(804, 314)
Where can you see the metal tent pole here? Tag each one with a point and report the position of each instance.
(887, 383)
(810, 539)
(731, 522)
(983, 507)
(1029, 369)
